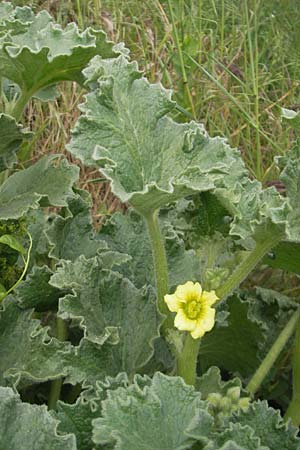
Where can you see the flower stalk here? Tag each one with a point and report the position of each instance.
(187, 360)
(269, 360)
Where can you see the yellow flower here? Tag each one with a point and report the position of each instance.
(193, 308)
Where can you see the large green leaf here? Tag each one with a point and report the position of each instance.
(36, 292)
(44, 181)
(71, 233)
(110, 308)
(233, 344)
(286, 256)
(14, 20)
(42, 53)
(128, 234)
(27, 354)
(268, 426)
(150, 159)
(77, 418)
(29, 427)
(161, 412)
(12, 136)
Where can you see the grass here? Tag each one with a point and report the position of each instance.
(231, 63)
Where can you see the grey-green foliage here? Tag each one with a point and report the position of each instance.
(36, 53)
(110, 308)
(44, 182)
(70, 233)
(150, 159)
(29, 427)
(128, 234)
(27, 353)
(12, 136)
(160, 412)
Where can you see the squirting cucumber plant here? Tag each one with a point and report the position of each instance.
(139, 335)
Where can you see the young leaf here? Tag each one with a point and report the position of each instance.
(27, 427)
(150, 159)
(43, 180)
(161, 415)
(12, 136)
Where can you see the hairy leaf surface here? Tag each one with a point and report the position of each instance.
(27, 354)
(160, 413)
(41, 53)
(150, 159)
(44, 181)
(109, 307)
(29, 427)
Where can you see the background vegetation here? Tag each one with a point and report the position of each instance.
(231, 63)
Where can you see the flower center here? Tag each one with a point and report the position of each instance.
(193, 309)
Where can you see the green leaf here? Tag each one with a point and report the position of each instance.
(162, 414)
(14, 20)
(286, 256)
(73, 235)
(150, 159)
(44, 180)
(233, 345)
(77, 418)
(12, 136)
(109, 308)
(36, 292)
(236, 437)
(27, 354)
(43, 54)
(128, 234)
(13, 243)
(268, 427)
(211, 382)
(28, 427)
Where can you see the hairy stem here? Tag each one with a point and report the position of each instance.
(293, 411)
(20, 105)
(54, 394)
(249, 263)
(160, 265)
(273, 354)
(187, 360)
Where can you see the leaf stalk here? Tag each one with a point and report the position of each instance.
(246, 266)
(293, 411)
(273, 354)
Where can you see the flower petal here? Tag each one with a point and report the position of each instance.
(209, 297)
(173, 302)
(208, 321)
(189, 290)
(198, 332)
(183, 323)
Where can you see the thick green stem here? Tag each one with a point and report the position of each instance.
(20, 105)
(54, 394)
(187, 360)
(249, 263)
(293, 411)
(160, 265)
(273, 354)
